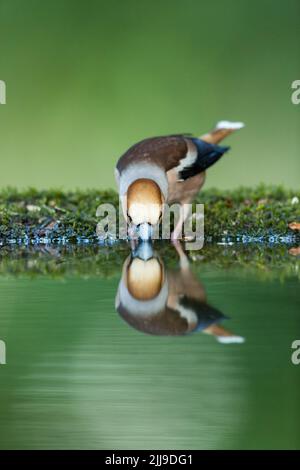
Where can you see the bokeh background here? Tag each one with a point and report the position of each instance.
(87, 79)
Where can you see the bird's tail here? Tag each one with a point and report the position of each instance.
(222, 130)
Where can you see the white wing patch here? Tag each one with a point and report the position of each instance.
(189, 159)
(187, 314)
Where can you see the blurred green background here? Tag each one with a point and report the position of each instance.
(87, 79)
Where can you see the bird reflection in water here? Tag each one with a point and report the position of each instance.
(161, 301)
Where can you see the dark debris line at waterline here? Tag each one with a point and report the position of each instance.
(59, 261)
(243, 215)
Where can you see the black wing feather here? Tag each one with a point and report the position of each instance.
(208, 154)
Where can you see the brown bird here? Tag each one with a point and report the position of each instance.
(161, 301)
(169, 169)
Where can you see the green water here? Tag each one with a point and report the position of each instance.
(78, 376)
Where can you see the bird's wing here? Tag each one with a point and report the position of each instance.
(187, 155)
(200, 156)
(165, 152)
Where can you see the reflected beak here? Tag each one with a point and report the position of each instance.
(144, 251)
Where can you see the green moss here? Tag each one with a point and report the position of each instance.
(53, 213)
(252, 212)
(258, 212)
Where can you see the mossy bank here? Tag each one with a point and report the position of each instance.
(243, 214)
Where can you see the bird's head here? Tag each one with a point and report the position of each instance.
(145, 278)
(143, 288)
(143, 298)
(144, 206)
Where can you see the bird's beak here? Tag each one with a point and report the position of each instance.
(144, 251)
(145, 231)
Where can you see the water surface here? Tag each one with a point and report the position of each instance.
(79, 376)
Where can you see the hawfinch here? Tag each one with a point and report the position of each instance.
(161, 301)
(169, 169)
